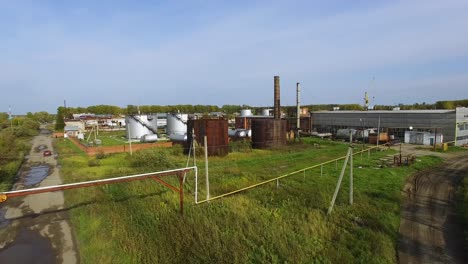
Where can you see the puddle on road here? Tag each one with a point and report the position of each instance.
(28, 247)
(40, 148)
(36, 175)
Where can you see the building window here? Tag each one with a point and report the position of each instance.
(463, 126)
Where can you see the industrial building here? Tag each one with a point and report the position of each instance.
(452, 124)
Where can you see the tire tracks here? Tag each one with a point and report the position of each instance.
(429, 232)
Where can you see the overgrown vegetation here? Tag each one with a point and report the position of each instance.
(15, 134)
(138, 222)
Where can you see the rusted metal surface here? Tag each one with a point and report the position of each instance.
(243, 122)
(306, 124)
(267, 133)
(277, 105)
(246, 121)
(216, 131)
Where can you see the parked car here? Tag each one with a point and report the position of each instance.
(47, 153)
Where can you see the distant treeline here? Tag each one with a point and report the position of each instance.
(63, 112)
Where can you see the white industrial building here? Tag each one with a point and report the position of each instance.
(451, 124)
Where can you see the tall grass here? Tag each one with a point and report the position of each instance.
(138, 222)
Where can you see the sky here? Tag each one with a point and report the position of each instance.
(213, 52)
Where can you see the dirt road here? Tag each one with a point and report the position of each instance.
(429, 232)
(35, 229)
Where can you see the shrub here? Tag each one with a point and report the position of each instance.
(94, 163)
(240, 146)
(154, 158)
(100, 155)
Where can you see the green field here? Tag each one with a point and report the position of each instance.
(139, 222)
(110, 138)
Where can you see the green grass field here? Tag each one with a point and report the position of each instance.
(139, 222)
(110, 138)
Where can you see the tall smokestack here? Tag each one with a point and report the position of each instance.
(277, 105)
(298, 107)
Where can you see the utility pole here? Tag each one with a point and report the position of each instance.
(298, 110)
(378, 132)
(351, 168)
(349, 157)
(130, 140)
(206, 169)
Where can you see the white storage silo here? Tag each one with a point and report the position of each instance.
(137, 126)
(245, 112)
(266, 112)
(176, 124)
(153, 121)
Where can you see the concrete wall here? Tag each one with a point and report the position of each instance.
(422, 138)
(462, 125)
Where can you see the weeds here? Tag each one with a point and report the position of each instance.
(138, 222)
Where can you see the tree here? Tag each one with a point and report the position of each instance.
(59, 118)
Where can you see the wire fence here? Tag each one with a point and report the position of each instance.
(276, 179)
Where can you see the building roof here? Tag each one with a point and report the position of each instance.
(71, 128)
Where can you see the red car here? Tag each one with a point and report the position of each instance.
(47, 153)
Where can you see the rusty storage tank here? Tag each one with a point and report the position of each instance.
(216, 131)
(267, 133)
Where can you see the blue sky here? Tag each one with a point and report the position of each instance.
(211, 52)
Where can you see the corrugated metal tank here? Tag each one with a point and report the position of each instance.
(216, 131)
(267, 133)
(176, 124)
(135, 129)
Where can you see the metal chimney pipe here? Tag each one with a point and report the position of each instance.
(277, 109)
(298, 106)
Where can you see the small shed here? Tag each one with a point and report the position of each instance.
(422, 138)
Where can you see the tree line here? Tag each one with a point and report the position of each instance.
(68, 112)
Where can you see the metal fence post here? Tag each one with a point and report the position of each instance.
(206, 168)
(332, 203)
(351, 177)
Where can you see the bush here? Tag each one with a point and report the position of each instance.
(94, 163)
(100, 155)
(240, 146)
(154, 158)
